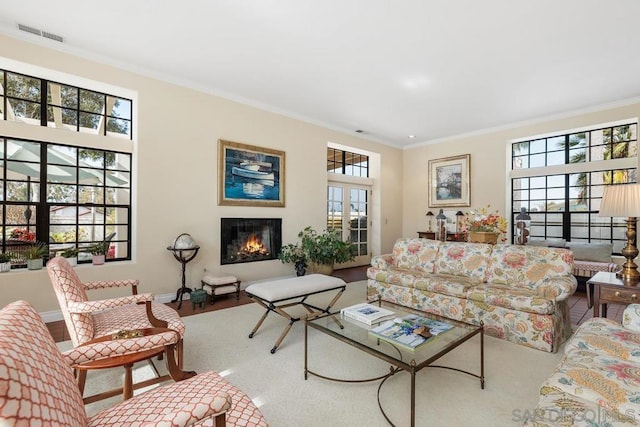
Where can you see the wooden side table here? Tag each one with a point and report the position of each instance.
(609, 288)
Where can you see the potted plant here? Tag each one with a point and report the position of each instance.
(71, 255)
(294, 254)
(35, 254)
(5, 262)
(99, 251)
(322, 250)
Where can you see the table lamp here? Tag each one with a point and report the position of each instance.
(459, 216)
(429, 215)
(441, 226)
(624, 201)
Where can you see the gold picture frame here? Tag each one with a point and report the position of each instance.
(449, 181)
(249, 175)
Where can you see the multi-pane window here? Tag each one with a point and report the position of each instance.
(40, 102)
(347, 163)
(560, 180)
(68, 197)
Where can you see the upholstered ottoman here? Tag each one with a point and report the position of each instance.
(220, 285)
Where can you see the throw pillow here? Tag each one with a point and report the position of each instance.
(596, 252)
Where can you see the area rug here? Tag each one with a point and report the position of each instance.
(218, 340)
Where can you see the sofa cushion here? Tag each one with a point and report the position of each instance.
(528, 266)
(556, 408)
(606, 337)
(515, 298)
(415, 254)
(463, 259)
(392, 276)
(456, 286)
(612, 382)
(598, 252)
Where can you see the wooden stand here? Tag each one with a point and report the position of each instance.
(451, 237)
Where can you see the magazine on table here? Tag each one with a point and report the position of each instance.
(367, 313)
(410, 331)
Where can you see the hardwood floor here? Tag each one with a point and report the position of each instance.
(577, 304)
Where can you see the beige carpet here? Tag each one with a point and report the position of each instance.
(219, 341)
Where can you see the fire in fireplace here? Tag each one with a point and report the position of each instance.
(250, 239)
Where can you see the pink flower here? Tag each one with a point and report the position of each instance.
(413, 248)
(456, 252)
(514, 260)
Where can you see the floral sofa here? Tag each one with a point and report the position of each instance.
(519, 292)
(597, 383)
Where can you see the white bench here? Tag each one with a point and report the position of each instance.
(276, 295)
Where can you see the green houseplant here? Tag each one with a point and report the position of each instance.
(293, 253)
(71, 254)
(99, 251)
(5, 262)
(35, 254)
(320, 250)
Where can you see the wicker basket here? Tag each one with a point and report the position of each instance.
(483, 237)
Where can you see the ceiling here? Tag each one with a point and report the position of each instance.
(389, 68)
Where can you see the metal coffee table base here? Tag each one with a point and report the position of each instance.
(396, 367)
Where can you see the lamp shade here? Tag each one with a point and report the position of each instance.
(620, 201)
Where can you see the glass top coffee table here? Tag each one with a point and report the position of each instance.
(357, 334)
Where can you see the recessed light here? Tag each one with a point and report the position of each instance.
(411, 136)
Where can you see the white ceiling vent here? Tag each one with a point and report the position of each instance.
(40, 33)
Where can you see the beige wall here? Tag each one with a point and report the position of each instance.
(176, 180)
(489, 162)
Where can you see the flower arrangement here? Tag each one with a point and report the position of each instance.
(23, 234)
(484, 220)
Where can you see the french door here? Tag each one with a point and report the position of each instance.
(348, 211)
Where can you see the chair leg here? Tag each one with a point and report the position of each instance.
(81, 376)
(180, 353)
(127, 387)
(220, 420)
(176, 373)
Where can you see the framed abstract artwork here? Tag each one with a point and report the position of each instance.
(449, 181)
(250, 175)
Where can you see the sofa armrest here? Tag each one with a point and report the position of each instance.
(558, 288)
(631, 317)
(383, 262)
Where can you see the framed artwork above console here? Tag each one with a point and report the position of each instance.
(449, 181)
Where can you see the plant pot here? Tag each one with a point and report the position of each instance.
(97, 260)
(73, 261)
(34, 264)
(325, 269)
(5, 267)
(300, 267)
(483, 237)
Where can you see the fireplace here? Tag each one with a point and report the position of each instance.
(250, 239)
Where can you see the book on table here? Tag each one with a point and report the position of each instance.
(410, 332)
(367, 313)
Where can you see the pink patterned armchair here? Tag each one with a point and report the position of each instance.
(92, 323)
(37, 388)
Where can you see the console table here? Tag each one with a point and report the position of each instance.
(451, 237)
